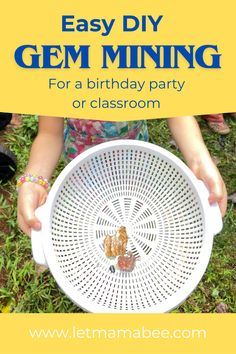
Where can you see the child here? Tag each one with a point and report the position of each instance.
(81, 134)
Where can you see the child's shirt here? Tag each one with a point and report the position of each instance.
(82, 134)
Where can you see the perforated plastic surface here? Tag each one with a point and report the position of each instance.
(154, 195)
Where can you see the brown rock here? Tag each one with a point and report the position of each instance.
(116, 245)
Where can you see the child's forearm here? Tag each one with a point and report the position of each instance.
(44, 156)
(47, 147)
(186, 132)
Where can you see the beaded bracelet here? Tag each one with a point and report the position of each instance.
(28, 177)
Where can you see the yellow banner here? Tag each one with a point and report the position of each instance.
(117, 60)
(132, 334)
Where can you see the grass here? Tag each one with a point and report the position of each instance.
(23, 288)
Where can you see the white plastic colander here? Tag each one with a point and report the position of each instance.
(165, 209)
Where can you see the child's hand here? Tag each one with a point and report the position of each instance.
(30, 197)
(187, 135)
(209, 174)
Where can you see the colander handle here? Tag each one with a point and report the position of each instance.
(215, 218)
(37, 241)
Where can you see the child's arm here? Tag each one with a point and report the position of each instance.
(44, 155)
(47, 147)
(187, 135)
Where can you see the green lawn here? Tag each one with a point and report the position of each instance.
(23, 288)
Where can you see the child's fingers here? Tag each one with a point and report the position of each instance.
(31, 220)
(218, 194)
(31, 196)
(27, 219)
(223, 206)
(23, 225)
(222, 202)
